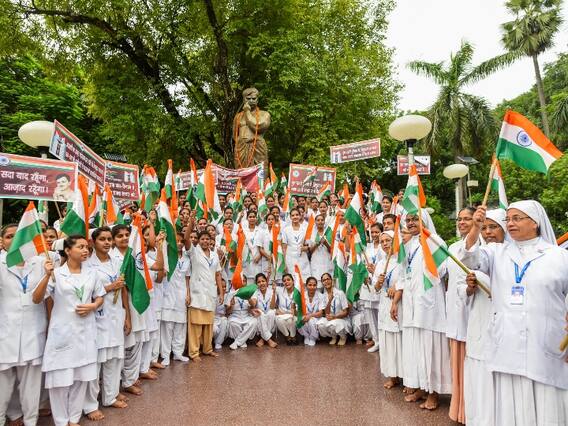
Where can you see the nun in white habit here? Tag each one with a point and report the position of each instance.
(426, 354)
(478, 380)
(529, 285)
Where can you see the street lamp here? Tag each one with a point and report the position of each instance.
(409, 129)
(37, 134)
(456, 171)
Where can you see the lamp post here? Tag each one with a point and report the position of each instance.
(37, 134)
(409, 129)
(456, 171)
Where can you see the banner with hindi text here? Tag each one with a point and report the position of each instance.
(32, 178)
(308, 180)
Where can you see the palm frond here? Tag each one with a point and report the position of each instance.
(429, 69)
(490, 66)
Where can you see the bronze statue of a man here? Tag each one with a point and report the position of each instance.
(249, 127)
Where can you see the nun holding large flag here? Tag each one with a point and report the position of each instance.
(529, 286)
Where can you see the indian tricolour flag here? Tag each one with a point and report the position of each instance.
(434, 251)
(271, 184)
(135, 269)
(525, 144)
(110, 207)
(283, 184)
(339, 262)
(96, 215)
(262, 207)
(287, 204)
(167, 225)
(356, 273)
(169, 184)
(28, 241)
(324, 192)
(311, 176)
(207, 193)
(310, 229)
(43, 211)
(278, 261)
(375, 198)
(498, 186)
(414, 197)
(353, 213)
(76, 220)
(299, 296)
(150, 188)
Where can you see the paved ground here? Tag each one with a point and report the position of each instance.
(282, 386)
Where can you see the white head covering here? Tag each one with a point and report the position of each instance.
(498, 216)
(389, 233)
(426, 220)
(536, 212)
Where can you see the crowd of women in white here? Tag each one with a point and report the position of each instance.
(498, 357)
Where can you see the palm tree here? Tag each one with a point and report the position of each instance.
(531, 33)
(463, 120)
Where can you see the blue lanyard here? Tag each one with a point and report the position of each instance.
(519, 276)
(288, 303)
(388, 278)
(264, 305)
(411, 257)
(333, 305)
(311, 307)
(241, 303)
(23, 281)
(111, 278)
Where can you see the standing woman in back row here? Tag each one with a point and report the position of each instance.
(294, 245)
(70, 356)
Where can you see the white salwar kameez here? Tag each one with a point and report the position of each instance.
(110, 337)
(267, 319)
(530, 372)
(390, 332)
(23, 327)
(320, 262)
(242, 325)
(335, 327)
(310, 328)
(220, 325)
(285, 321)
(70, 357)
(294, 240)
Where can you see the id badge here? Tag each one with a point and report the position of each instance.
(26, 299)
(409, 270)
(517, 295)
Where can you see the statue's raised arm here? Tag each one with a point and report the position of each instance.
(249, 127)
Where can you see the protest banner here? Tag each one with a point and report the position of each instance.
(33, 178)
(226, 179)
(122, 179)
(66, 146)
(422, 164)
(355, 151)
(308, 180)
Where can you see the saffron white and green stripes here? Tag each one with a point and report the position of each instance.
(28, 241)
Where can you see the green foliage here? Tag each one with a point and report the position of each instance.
(165, 78)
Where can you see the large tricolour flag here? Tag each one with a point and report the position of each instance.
(339, 261)
(135, 269)
(397, 244)
(525, 144)
(76, 220)
(28, 241)
(356, 273)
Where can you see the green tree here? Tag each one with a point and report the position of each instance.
(531, 33)
(165, 77)
(461, 122)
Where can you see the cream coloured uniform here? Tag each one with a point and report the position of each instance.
(23, 327)
(320, 262)
(110, 337)
(368, 295)
(285, 321)
(526, 328)
(70, 356)
(250, 267)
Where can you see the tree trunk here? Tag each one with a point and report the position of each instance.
(541, 98)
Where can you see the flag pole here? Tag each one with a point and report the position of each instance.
(467, 271)
(58, 210)
(491, 174)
